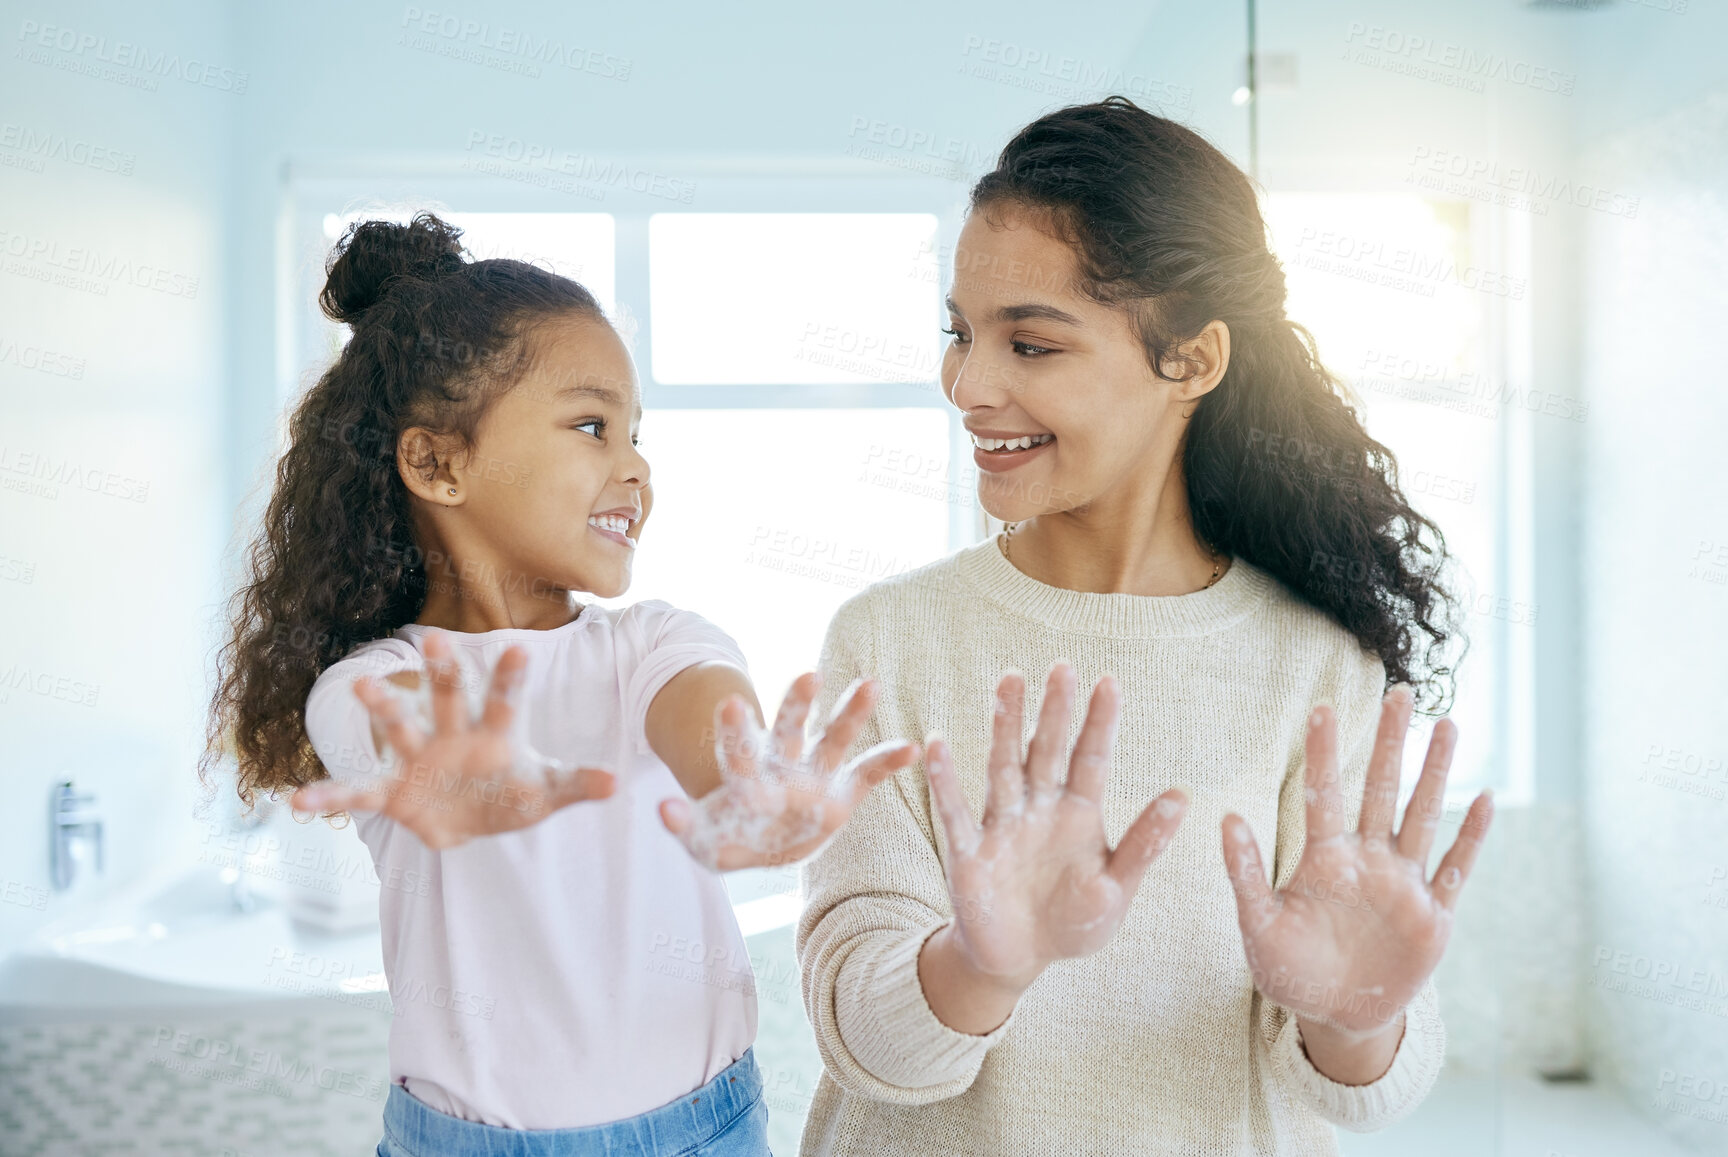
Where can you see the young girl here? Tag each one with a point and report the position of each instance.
(575, 982)
(1122, 359)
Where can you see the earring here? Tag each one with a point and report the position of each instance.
(452, 491)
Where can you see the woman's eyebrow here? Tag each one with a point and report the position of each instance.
(1026, 311)
(1030, 311)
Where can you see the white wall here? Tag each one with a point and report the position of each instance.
(120, 193)
(1654, 295)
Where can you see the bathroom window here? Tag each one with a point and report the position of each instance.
(766, 520)
(794, 298)
(780, 496)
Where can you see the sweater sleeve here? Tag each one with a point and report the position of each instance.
(1422, 1047)
(872, 897)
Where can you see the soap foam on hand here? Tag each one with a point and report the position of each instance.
(758, 812)
(774, 804)
(416, 702)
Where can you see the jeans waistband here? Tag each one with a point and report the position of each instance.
(677, 1127)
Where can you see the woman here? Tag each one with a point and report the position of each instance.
(1133, 388)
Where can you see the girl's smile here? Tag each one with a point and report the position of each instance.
(616, 525)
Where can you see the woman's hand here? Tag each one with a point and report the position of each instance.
(1359, 928)
(1037, 881)
(776, 803)
(461, 781)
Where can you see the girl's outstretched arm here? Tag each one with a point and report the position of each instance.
(759, 798)
(464, 779)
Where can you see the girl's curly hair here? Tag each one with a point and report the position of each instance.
(1278, 466)
(435, 338)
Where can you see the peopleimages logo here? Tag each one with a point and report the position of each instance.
(87, 47)
(584, 170)
(42, 257)
(47, 684)
(1068, 77)
(1449, 62)
(1530, 188)
(46, 468)
(41, 145)
(526, 48)
(41, 359)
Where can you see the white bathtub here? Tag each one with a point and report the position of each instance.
(162, 1020)
(178, 945)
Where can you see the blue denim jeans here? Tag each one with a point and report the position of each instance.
(727, 1117)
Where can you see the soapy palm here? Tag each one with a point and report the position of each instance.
(778, 802)
(469, 777)
(1360, 927)
(1037, 881)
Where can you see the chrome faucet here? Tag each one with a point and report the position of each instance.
(240, 887)
(73, 832)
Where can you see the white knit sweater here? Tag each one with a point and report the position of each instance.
(1158, 1043)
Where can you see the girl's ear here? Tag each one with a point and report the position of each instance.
(429, 465)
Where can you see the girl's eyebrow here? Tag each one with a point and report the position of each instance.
(604, 393)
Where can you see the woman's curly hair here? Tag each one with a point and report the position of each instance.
(435, 338)
(1278, 466)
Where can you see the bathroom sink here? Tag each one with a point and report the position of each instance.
(182, 942)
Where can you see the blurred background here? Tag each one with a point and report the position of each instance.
(1506, 222)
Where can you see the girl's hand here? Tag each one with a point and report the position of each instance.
(1037, 881)
(1360, 927)
(775, 803)
(461, 781)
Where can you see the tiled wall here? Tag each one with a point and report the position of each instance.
(309, 1085)
(1513, 978)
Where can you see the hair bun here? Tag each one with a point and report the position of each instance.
(373, 254)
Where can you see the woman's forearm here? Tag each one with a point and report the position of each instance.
(961, 997)
(1349, 1059)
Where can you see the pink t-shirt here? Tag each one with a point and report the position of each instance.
(581, 970)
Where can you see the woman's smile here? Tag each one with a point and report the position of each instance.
(999, 450)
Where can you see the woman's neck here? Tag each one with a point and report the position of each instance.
(1144, 547)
